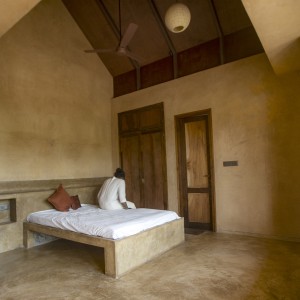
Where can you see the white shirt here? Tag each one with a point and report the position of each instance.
(112, 194)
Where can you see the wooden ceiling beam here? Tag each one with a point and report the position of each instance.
(109, 19)
(164, 32)
(219, 30)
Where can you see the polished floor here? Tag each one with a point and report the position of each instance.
(207, 266)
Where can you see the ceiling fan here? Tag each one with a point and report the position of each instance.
(122, 49)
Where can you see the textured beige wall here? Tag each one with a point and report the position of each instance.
(55, 111)
(11, 11)
(277, 24)
(254, 116)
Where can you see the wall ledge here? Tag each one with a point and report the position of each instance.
(20, 187)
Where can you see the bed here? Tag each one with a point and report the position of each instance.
(129, 237)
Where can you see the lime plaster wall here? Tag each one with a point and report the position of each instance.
(277, 24)
(255, 121)
(12, 11)
(55, 111)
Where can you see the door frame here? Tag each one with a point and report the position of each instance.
(181, 172)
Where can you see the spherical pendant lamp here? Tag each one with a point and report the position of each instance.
(177, 17)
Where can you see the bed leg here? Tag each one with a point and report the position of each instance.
(28, 237)
(110, 261)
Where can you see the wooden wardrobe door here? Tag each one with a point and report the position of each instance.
(143, 157)
(152, 155)
(129, 148)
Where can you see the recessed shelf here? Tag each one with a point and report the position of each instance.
(8, 213)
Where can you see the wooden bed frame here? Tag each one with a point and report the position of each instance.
(122, 255)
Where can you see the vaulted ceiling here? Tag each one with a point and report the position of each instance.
(220, 31)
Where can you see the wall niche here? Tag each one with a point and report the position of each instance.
(8, 212)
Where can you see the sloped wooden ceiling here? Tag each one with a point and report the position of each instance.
(220, 31)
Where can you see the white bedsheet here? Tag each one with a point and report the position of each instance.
(112, 224)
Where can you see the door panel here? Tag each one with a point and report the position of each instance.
(128, 122)
(196, 161)
(153, 173)
(194, 148)
(199, 208)
(151, 118)
(129, 147)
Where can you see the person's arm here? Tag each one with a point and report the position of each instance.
(122, 195)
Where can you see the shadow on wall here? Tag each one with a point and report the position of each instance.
(287, 58)
(284, 112)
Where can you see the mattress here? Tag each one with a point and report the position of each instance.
(111, 224)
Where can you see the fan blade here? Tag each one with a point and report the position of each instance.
(128, 35)
(133, 56)
(100, 50)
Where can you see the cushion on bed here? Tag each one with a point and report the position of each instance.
(75, 202)
(61, 199)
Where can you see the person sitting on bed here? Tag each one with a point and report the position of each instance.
(112, 193)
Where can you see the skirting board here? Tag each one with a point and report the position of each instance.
(264, 236)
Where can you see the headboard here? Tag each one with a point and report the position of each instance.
(19, 198)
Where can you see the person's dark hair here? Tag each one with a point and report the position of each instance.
(119, 173)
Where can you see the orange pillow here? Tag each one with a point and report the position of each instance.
(60, 199)
(75, 202)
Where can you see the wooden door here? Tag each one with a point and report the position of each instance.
(142, 155)
(130, 156)
(195, 170)
(153, 181)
